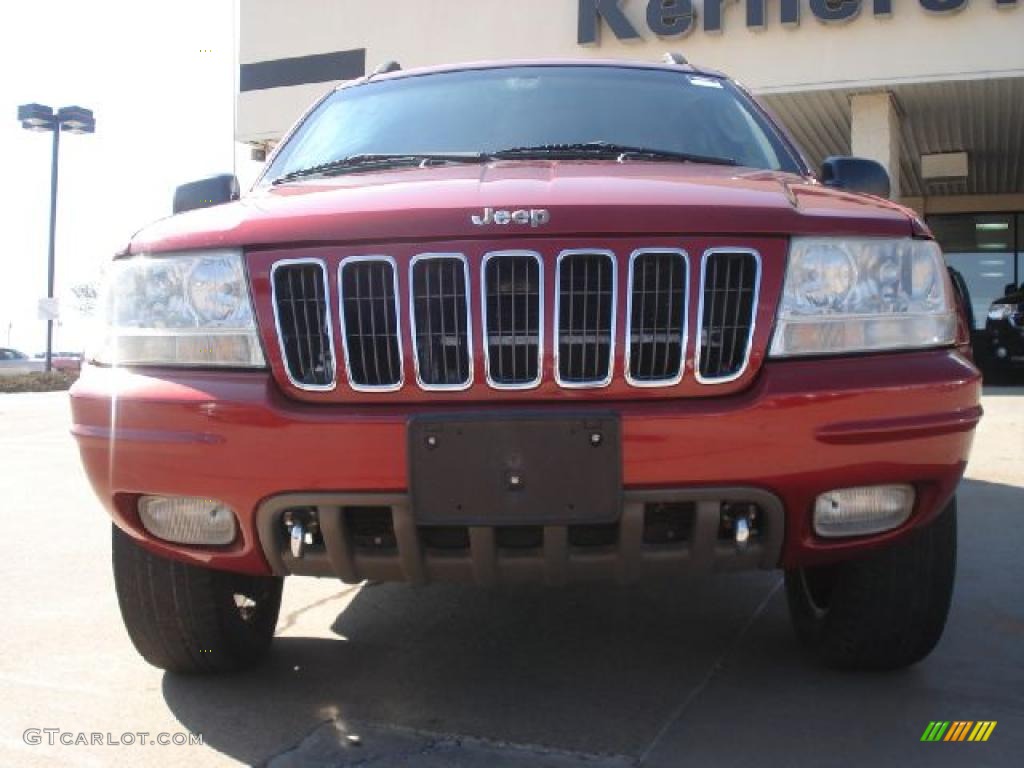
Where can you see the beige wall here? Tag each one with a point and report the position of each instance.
(966, 204)
(911, 46)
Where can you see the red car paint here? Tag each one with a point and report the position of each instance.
(802, 429)
(796, 428)
(585, 198)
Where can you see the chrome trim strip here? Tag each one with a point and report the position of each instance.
(330, 325)
(540, 319)
(398, 324)
(469, 321)
(685, 340)
(600, 383)
(700, 315)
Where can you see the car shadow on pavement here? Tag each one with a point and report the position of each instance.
(616, 670)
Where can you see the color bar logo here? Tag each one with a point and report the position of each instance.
(960, 730)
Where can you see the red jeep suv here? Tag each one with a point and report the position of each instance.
(546, 321)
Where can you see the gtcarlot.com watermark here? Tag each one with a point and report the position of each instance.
(58, 736)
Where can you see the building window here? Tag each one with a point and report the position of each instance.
(986, 249)
(1020, 251)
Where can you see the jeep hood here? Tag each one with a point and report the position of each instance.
(582, 197)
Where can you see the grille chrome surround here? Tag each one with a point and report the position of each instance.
(493, 258)
(467, 320)
(755, 302)
(396, 331)
(326, 323)
(684, 331)
(727, 343)
(605, 380)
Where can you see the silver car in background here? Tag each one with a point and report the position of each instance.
(14, 363)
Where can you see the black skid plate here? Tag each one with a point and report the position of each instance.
(524, 469)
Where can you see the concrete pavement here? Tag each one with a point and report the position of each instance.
(701, 672)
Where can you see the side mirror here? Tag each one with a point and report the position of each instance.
(206, 192)
(856, 174)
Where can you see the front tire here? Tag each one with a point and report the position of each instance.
(885, 611)
(183, 618)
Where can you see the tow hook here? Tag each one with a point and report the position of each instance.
(298, 539)
(302, 529)
(740, 523)
(742, 532)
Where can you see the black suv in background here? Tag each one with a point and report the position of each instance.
(1004, 331)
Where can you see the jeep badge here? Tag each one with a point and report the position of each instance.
(535, 217)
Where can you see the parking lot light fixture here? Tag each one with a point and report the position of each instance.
(36, 117)
(41, 118)
(76, 120)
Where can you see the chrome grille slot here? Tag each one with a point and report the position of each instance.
(370, 322)
(440, 321)
(656, 317)
(513, 318)
(585, 311)
(300, 294)
(730, 281)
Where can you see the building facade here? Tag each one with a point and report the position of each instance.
(932, 89)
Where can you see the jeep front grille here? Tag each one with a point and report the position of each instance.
(656, 317)
(662, 286)
(513, 316)
(368, 286)
(585, 317)
(442, 340)
(300, 294)
(730, 279)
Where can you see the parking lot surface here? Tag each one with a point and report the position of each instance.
(700, 672)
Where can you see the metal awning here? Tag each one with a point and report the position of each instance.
(984, 118)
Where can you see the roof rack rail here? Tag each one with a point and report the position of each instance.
(676, 58)
(386, 67)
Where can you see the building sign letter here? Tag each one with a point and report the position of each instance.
(589, 26)
(789, 13)
(677, 18)
(835, 10)
(670, 18)
(943, 6)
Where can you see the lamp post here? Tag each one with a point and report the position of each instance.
(40, 118)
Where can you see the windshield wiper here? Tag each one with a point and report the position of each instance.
(607, 149)
(373, 162)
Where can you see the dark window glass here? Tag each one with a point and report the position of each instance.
(492, 109)
(1020, 251)
(982, 247)
(975, 232)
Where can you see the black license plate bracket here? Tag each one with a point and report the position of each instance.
(525, 469)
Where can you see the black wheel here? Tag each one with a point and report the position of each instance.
(885, 611)
(183, 618)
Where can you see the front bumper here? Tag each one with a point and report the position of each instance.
(803, 428)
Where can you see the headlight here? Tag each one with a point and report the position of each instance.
(179, 309)
(863, 295)
(1000, 311)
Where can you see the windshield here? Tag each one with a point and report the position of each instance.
(490, 110)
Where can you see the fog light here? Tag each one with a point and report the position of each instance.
(860, 511)
(184, 520)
